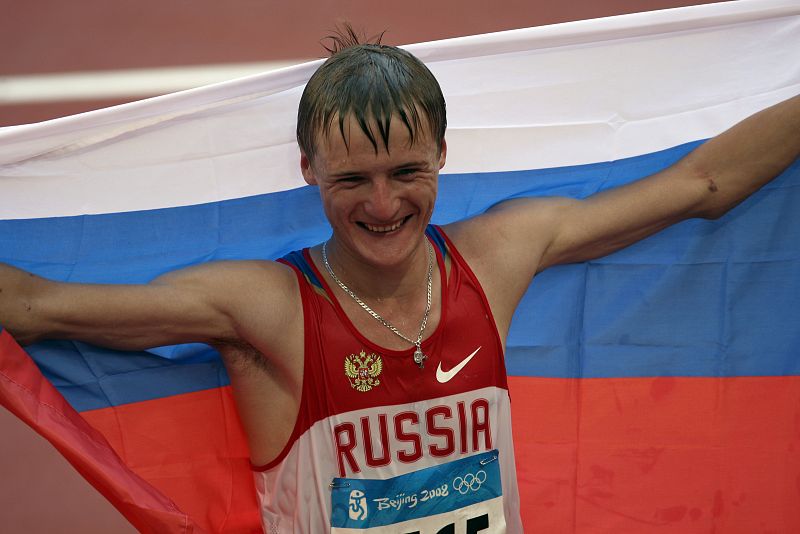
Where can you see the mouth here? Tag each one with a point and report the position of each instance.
(385, 228)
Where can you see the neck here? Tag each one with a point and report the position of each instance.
(405, 280)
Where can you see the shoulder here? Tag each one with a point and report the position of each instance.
(523, 226)
(506, 246)
(240, 289)
(229, 274)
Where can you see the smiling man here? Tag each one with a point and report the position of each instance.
(368, 370)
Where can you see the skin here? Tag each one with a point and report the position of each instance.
(251, 310)
(365, 193)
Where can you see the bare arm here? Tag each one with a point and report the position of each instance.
(707, 183)
(530, 235)
(249, 310)
(208, 303)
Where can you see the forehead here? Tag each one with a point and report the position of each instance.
(350, 142)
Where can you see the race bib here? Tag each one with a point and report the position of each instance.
(460, 497)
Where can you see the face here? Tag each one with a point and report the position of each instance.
(377, 203)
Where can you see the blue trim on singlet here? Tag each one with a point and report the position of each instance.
(436, 236)
(297, 259)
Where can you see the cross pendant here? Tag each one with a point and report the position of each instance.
(419, 358)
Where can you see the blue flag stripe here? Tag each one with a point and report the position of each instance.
(703, 298)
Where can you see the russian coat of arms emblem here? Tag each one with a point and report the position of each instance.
(362, 371)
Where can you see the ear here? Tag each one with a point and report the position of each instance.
(443, 154)
(307, 169)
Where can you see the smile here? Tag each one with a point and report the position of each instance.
(382, 229)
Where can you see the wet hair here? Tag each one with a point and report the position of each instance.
(372, 83)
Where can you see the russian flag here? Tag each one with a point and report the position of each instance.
(654, 390)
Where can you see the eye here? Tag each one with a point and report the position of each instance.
(350, 179)
(406, 173)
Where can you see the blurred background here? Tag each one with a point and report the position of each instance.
(60, 58)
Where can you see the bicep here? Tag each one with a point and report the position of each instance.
(532, 234)
(613, 219)
(129, 317)
(514, 240)
(210, 303)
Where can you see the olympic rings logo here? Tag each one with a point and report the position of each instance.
(469, 482)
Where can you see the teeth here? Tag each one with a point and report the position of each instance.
(383, 229)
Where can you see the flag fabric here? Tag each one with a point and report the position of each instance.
(654, 390)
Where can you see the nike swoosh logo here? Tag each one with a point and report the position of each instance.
(446, 376)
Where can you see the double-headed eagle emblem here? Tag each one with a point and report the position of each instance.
(363, 370)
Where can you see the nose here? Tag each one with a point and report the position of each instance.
(383, 202)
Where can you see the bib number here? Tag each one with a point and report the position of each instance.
(460, 497)
(474, 526)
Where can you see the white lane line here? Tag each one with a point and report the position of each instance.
(96, 85)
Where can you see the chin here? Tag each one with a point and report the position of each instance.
(388, 248)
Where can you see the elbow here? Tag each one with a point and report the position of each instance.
(710, 199)
(24, 333)
(27, 321)
(713, 212)
(715, 203)
(22, 305)
(26, 339)
(717, 191)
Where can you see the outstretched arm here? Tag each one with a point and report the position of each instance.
(518, 238)
(707, 183)
(249, 310)
(206, 303)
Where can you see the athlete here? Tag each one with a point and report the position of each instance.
(368, 369)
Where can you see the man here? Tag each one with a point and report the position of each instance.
(385, 343)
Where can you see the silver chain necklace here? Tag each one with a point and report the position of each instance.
(419, 356)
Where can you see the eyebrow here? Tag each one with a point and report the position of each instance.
(396, 167)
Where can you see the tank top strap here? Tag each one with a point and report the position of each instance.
(440, 242)
(436, 237)
(299, 261)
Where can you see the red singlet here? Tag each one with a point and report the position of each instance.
(370, 413)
